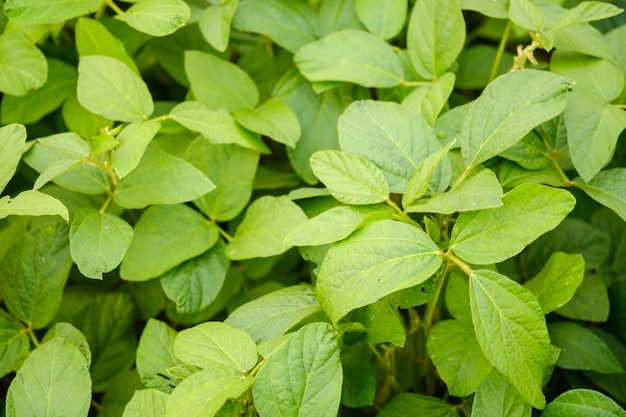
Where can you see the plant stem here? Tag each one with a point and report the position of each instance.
(32, 335)
(114, 7)
(405, 83)
(459, 180)
(431, 307)
(620, 106)
(555, 165)
(500, 52)
(462, 265)
(223, 232)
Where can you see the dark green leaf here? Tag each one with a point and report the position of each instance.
(608, 187)
(14, 342)
(590, 301)
(359, 379)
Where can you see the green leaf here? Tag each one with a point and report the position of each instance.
(352, 56)
(590, 301)
(583, 402)
(608, 188)
(587, 70)
(216, 125)
(80, 120)
(350, 178)
(273, 314)
(290, 24)
(557, 282)
(428, 100)
(70, 334)
(161, 178)
(166, 236)
(14, 342)
(205, 392)
(156, 17)
(384, 133)
(497, 396)
(350, 275)
(380, 324)
(457, 296)
(586, 11)
(262, 231)
(146, 403)
(511, 330)
(98, 241)
(335, 15)
(12, 140)
(33, 273)
(155, 354)
(54, 380)
(231, 168)
(359, 378)
(219, 84)
(427, 406)
(418, 184)
(383, 18)
(23, 66)
(530, 152)
(134, 139)
(195, 284)
(510, 107)
(108, 87)
(494, 235)
(311, 359)
(460, 362)
(273, 119)
(215, 21)
(48, 11)
(216, 343)
(32, 203)
(527, 15)
(482, 191)
(492, 8)
(436, 36)
(582, 349)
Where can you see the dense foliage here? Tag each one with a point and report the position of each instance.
(313, 208)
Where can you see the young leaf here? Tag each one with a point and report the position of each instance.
(460, 362)
(166, 236)
(428, 100)
(311, 359)
(607, 188)
(108, 87)
(586, 11)
(351, 273)
(262, 231)
(33, 273)
(510, 107)
(482, 191)
(494, 235)
(383, 18)
(218, 83)
(273, 314)
(352, 56)
(216, 343)
(23, 66)
(146, 403)
(161, 178)
(12, 140)
(511, 330)
(417, 185)
(54, 380)
(436, 36)
(497, 396)
(98, 241)
(32, 203)
(555, 285)
(273, 119)
(134, 139)
(582, 349)
(428, 406)
(156, 17)
(215, 21)
(155, 354)
(350, 178)
(48, 11)
(583, 402)
(14, 342)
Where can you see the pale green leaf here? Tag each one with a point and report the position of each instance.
(54, 380)
(134, 139)
(108, 87)
(48, 11)
(72, 335)
(582, 349)
(350, 178)
(583, 402)
(80, 120)
(32, 203)
(155, 354)
(146, 403)
(436, 36)
(215, 21)
(219, 84)
(492, 8)
(98, 241)
(352, 56)
(457, 296)
(33, 273)
(582, 38)
(557, 282)
(510, 107)
(23, 66)
(14, 342)
(453, 348)
(587, 70)
(427, 406)
(273, 314)
(494, 235)
(482, 191)
(511, 330)
(262, 231)
(496, 396)
(383, 18)
(195, 284)
(156, 17)
(587, 11)
(527, 15)
(428, 100)
(418, 184)
(310, 359)
(351, 273)
(166, 236)
(273, 119)
(608, 187)
(392, 137)
(12, 140)
(216, 343)
(161, 178)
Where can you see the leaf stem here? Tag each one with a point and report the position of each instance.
(456, 261)
(620, 106)
(431, 307)
(32, 335)
(405, 83)
(461, 178)
(257, 367)
(398, 210)
(114, 7)
(222, 232)
(557, 167)
(500, 52)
